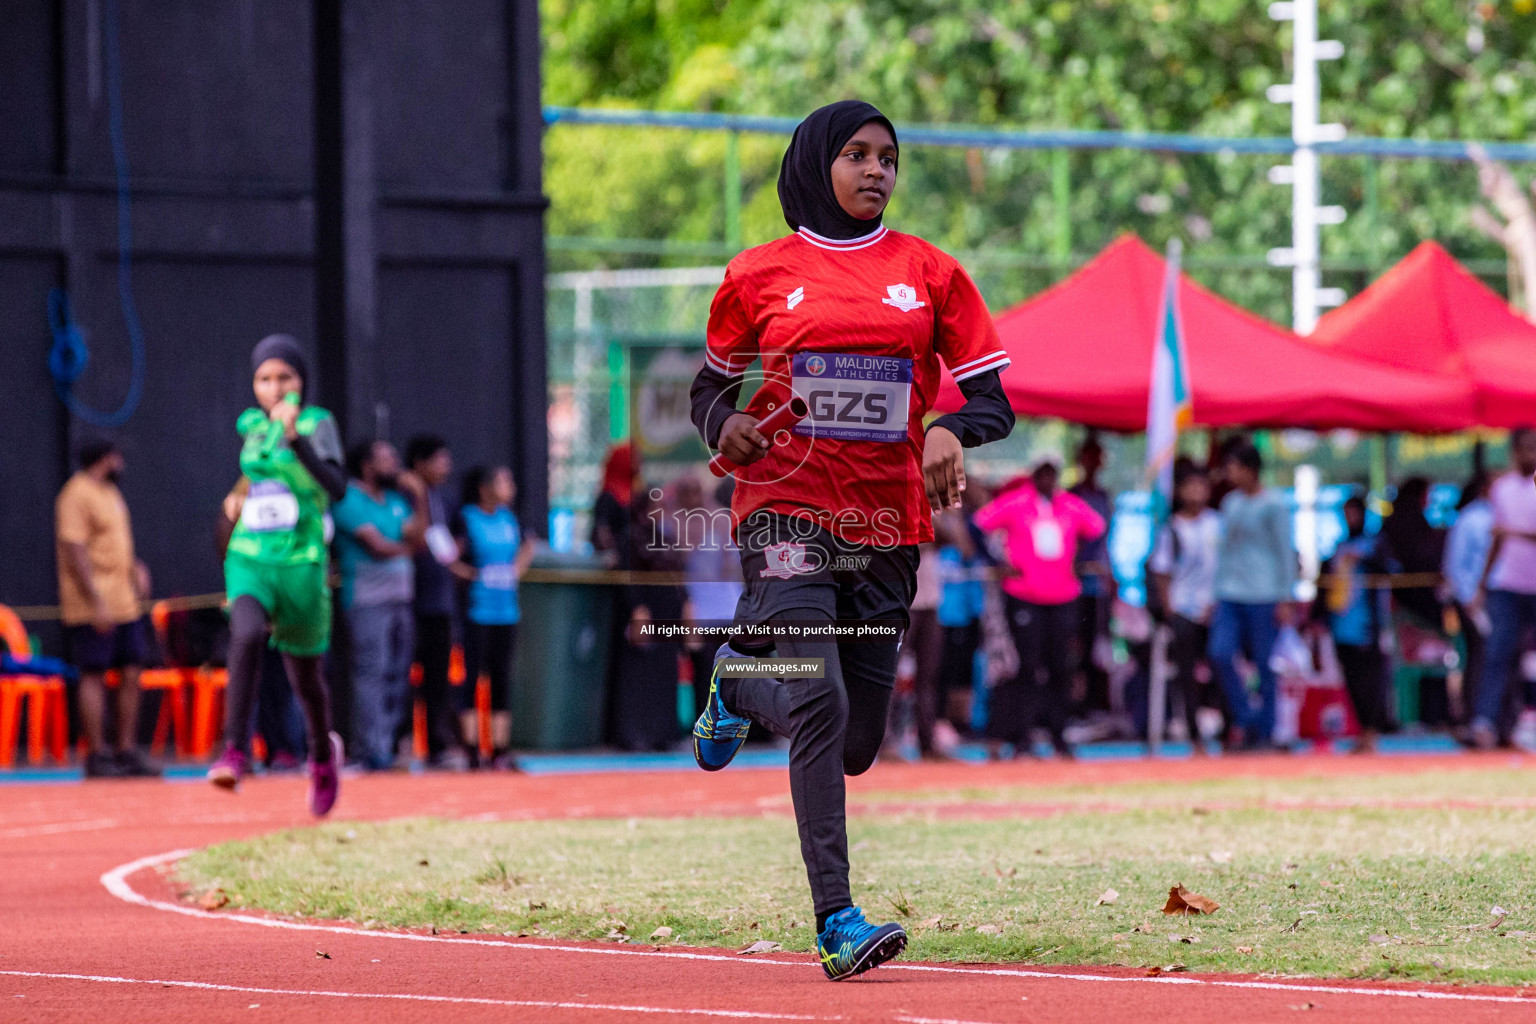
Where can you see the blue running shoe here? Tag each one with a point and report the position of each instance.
(850, 945)
(718, 734)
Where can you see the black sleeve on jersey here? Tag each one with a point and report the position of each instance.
(327, 473)
(713, 397)
(986, 415)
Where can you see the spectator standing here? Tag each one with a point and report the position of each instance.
(611, 511)
(494, 559)
(643, 702)
(1043, 526)
(924, 640)
(1255, 582)
(712, 569)
(1467, 545)
(428, 457)
(1358, 616)
(1096, 577)
(1509, 583)
(1182, 586)
(101, 585)
(1416, 546)
(962, 598)
(377, 534)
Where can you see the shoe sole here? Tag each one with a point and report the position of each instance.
(223, 778)
(699, 757)
(884, 951)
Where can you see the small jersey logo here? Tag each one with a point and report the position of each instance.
(786, 560)
(903, 297)
(795, 297)
(815, 366)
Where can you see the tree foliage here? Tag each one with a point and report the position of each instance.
(1430, 69)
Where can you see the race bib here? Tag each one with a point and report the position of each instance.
(854, 398)
(1049, 543)
(269, 507)
(445, 550)
(501, 576)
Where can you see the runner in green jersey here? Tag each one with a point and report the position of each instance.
(275, 566)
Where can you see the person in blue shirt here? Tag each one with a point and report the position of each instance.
(1358, 615)
(1467, 547)
(493, 558)
(378, 532)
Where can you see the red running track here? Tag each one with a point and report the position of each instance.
(75, 946)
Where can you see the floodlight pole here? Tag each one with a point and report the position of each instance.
(1308, 295)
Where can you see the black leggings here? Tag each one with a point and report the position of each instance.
(489, 649)
(248, 628)
(1043, 634)
(835, 726)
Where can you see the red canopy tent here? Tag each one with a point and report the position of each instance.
(1082, 351)
(1430, 314)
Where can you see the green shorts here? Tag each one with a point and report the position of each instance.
(295, 597)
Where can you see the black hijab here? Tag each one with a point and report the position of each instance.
(284, 347)
(805, 179)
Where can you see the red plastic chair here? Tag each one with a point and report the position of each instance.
(47, 710)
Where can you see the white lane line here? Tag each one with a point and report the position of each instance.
(116, 882)
(542, 1004)
(57, 828)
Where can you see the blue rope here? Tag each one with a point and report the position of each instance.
(70, 354)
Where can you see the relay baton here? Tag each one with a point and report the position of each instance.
(782, 418)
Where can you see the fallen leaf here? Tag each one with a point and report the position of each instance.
(760, 946)
(422, 863)
(213, 899)
(1221, 856)
(1107, 899)
(662, 933)
(931, 922)
(617, 935)
(987, 929)
(1379, 939)
(1144, 928)
(1498, 911)
(321, 954)
(1245, 949)
(1182, 901)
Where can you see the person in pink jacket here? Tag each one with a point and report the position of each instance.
(1042, 525)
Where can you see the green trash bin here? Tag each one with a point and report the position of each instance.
(560, 679)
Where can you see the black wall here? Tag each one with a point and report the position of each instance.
(364, 174)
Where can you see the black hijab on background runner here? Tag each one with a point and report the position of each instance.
(805, 179)
(284, 347)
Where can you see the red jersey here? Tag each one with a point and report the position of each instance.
(857, 329)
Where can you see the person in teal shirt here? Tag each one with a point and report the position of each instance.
(377, 533)
(494, 557)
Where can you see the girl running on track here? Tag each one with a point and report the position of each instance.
(274, 569)
(853, 318)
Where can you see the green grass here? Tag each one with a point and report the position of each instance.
(1359, 892)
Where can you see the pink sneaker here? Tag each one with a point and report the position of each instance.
(232, 766)
(325, 780)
